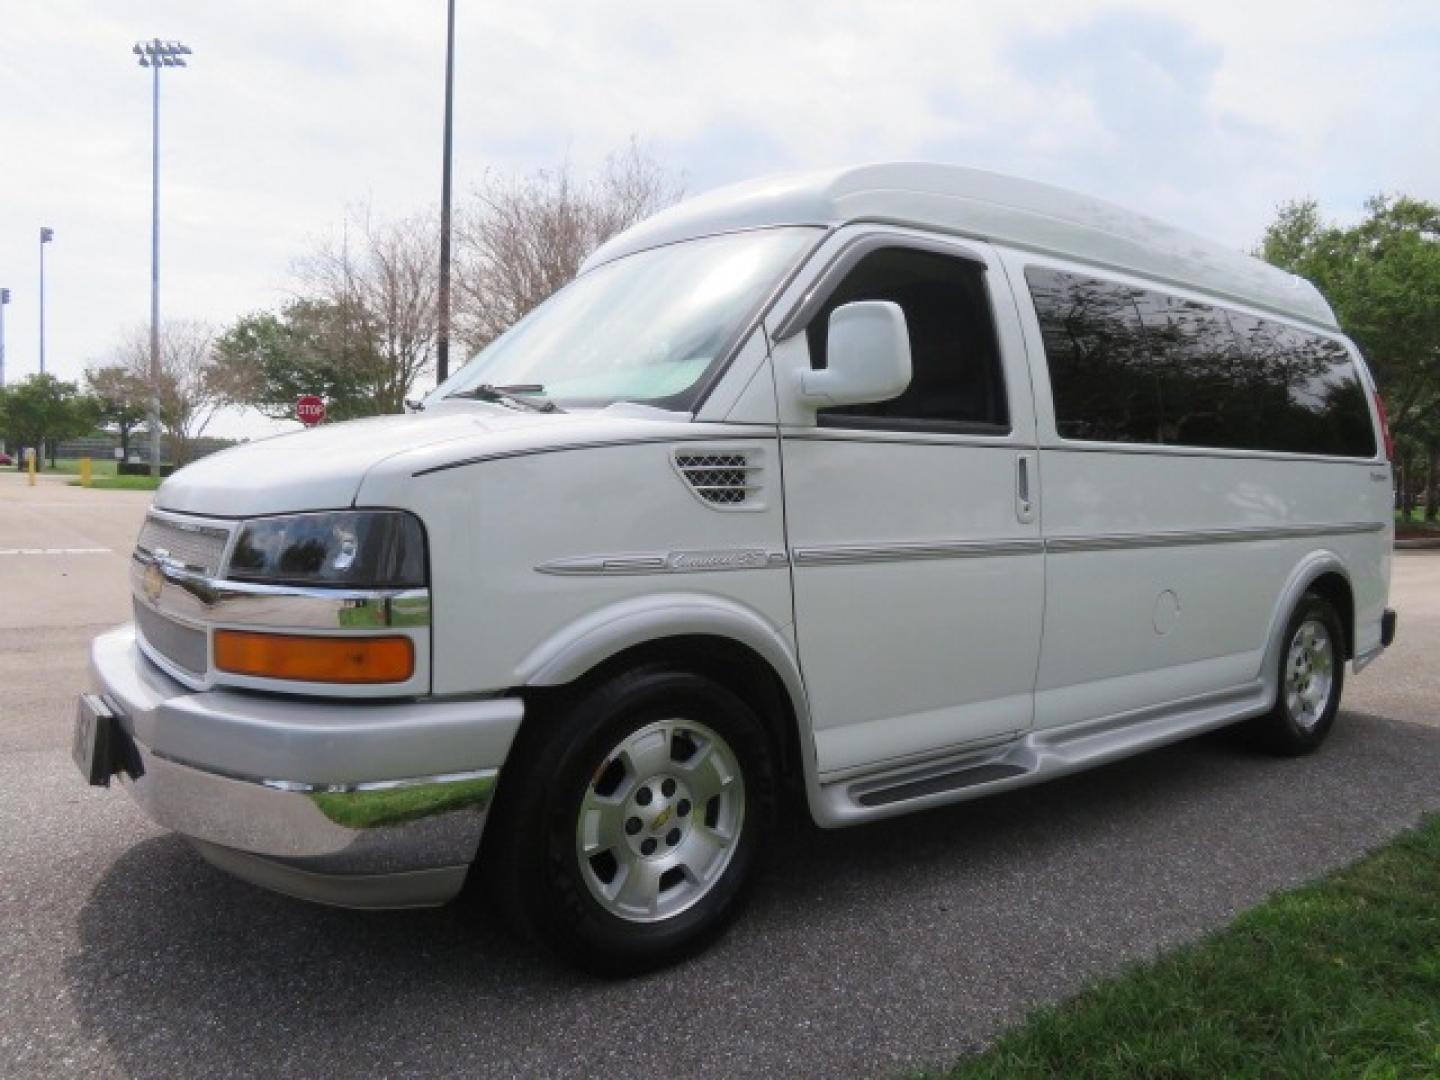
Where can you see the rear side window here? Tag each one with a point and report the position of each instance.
(1135, 365)
(1201, 375)
(1306, 390)
(1100, 370)
(957, 383)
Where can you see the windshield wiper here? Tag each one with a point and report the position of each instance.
(515, 393)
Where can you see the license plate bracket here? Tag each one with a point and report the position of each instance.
(93, 744)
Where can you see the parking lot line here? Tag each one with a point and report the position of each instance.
(56, 551)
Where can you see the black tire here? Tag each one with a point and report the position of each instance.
(1281, 731)
(530, 860)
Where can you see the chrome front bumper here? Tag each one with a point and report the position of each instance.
(352, 803)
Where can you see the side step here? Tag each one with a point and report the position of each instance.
(1040, 755)
(884, 793)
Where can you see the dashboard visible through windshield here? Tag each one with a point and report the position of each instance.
(646, 328)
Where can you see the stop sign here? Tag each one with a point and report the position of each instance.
(310, 409)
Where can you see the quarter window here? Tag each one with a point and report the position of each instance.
(1134, 365)
(957, 384)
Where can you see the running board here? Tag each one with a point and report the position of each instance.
(884, 792)
(1041, 755)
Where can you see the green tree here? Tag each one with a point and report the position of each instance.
(121, 399)
(41, 410)
(269, 359)
(1382, 277)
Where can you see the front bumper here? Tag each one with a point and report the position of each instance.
(353, 803)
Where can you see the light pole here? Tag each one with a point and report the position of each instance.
(46, 235)
(442, 358)
(4, 301)
(155, 54)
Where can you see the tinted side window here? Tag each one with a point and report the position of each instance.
(1131, 365)
(1101, 373)
(1307, 391)
(957, 382)
(1201, 374)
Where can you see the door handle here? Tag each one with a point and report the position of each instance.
(1024, 483)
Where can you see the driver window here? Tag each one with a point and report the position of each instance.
(957, 383)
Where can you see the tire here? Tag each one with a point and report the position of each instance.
(1310, 681)
(630, 822)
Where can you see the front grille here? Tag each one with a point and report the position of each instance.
(196, 547)
(720, 479)
(184, 646)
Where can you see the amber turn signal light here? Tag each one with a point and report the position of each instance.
(303, 658)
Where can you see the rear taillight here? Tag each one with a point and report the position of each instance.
(1384, 427)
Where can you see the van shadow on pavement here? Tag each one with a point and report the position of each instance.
(865, 950)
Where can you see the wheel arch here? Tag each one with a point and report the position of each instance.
(1335, 587)
(718, 637)
(1320, 571)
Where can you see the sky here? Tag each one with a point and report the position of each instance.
(1208, 115)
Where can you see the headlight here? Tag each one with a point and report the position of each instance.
(355, 549)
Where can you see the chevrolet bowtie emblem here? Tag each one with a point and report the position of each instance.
(153, 582)
(664, 817)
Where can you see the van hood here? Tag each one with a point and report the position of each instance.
(323, 468)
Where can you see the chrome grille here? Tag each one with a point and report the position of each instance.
(184, 646)
(722, 479)
(196, 547)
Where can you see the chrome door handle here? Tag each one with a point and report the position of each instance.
(1024, 500)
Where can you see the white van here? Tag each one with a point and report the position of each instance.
(897, 485)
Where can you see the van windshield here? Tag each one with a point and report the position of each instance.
(647, 328)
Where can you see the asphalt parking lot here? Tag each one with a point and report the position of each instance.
(865, 952)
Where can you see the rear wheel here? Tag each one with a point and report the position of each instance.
(1311, 679)
(630, 825)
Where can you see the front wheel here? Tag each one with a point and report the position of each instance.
(1311, 679)
(631, 823)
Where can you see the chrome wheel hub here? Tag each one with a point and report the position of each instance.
(660, 819)
(1309, 673)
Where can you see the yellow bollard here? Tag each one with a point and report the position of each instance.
(84, 472)
(30, 457)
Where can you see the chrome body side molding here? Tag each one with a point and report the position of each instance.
(674, 562)
(1110, 542)
(680, 562)
(944, 549)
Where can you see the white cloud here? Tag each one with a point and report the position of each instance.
(1204, 114)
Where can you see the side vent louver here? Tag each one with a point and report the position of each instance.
(727, 479)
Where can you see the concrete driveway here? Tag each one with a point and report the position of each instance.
(866, 951)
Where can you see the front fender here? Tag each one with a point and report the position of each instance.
(599, 635)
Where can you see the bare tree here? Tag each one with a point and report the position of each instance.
(379, 286)
(519, 239)
(190, 385)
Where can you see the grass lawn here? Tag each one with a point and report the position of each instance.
(1337, 978)
(123, 483)
(98, 466)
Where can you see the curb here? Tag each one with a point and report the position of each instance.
(1418, 544)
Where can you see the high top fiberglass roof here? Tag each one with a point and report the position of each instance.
(986, 206)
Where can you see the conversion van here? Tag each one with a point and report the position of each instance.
(896, 486)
